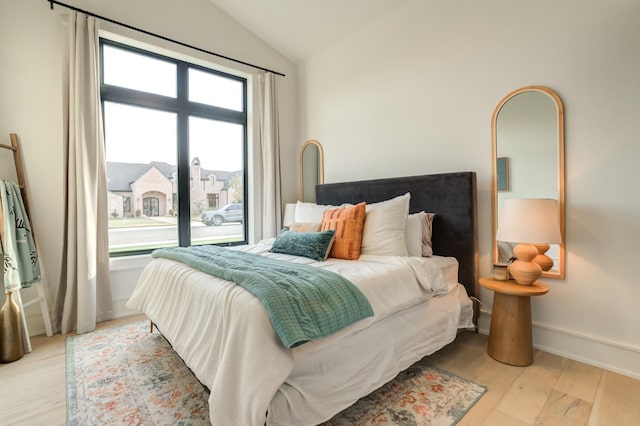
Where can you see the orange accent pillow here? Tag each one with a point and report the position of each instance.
(347, 222)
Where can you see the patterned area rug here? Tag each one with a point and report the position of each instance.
(420, 395)
(126, 376)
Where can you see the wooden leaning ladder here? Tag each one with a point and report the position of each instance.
(41, 298)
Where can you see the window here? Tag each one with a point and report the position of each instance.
(212, 201)
(176, 148)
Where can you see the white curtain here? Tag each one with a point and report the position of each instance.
(84, 294)
(270, 217)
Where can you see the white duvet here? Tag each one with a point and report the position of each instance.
(224, 334)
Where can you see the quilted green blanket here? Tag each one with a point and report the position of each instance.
(303, 302)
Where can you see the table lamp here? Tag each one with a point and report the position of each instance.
(529, 222)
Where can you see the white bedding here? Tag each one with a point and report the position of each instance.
(224, 335)
(332, 379)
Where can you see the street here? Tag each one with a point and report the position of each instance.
(143, 236)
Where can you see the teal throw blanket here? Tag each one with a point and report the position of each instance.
(18, 250)
(303, 302)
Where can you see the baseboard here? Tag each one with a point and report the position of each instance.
(36, 325)
(120, 310)
(593, 350)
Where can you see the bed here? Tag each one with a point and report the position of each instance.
(226, 338)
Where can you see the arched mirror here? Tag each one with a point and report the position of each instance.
(311, 170)
(527, 131)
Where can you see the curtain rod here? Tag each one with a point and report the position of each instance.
(52, 2)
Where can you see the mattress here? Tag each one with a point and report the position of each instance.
(224, 335)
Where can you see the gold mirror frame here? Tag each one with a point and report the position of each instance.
(559, 272)
(319, 176)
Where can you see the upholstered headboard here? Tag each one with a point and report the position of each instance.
(451, 196)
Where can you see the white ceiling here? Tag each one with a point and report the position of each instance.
(299, 29)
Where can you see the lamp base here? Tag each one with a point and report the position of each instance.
(542, 259)
(523, 270)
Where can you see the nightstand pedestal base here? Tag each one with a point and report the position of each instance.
(510, 339)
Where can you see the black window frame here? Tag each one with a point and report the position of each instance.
(183, 108)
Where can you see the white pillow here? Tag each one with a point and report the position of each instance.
(413, 234)
(384, 227)
(310, 212)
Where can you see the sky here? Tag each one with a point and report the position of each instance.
(141, 135)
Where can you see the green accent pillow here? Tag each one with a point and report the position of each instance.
(314, 245)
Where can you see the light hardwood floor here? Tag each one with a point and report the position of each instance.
(552, 391)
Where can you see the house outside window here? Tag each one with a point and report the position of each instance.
(174, 204)
(176, 147)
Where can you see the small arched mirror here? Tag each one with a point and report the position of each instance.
(311, 170)
(527, 131)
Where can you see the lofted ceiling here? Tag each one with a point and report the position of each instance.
(299, 29)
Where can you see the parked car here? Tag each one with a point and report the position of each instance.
(230, 213)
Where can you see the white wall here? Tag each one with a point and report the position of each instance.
(32, 42)
(413, 93)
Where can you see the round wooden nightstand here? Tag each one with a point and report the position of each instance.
(510, 339)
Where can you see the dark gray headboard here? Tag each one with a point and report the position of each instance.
(451, 196)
